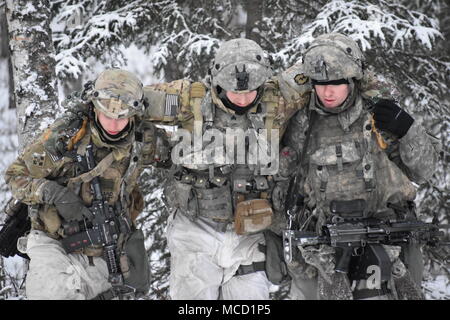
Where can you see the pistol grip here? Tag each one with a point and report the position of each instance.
(343, 262)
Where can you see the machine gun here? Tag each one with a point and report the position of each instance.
(104, 229)
(351, 236)
(16, 225)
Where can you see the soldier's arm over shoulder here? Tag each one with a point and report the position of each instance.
(169, 103)
(419, 152)
(156, 146)
(375, 86)
(38, 162)
(294, 85)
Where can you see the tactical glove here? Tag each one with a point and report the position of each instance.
(68, 204)
(390, 117)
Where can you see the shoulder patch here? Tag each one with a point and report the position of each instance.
(300, 79)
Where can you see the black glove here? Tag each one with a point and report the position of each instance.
(390, 117)
(68, 204)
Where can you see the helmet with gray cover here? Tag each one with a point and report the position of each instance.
(240, 65)
(117, 93)
(333, 56)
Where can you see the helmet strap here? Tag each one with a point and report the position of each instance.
(331, 82)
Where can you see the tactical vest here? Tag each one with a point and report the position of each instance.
(347, 163)
(117, 169)
(214, 190)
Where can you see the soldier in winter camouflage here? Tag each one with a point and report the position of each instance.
(48, 178)
(361, 148)
(221, 211)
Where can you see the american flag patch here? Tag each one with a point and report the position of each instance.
(171, 105)
(54, 158)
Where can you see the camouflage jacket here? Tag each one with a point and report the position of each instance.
(53, 157)
(348, 158)
(183, 103)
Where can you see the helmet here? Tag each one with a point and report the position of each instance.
(240, 65)
(333, 56)
(117, 93)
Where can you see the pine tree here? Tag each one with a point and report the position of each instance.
(403, 40)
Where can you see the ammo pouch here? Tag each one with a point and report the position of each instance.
(214, 203)
(252, 216)
(276, 268)
(134, 263)
(349, 209)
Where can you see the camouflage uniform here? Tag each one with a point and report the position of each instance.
(54, 274)
(208, 258)
(349, 158)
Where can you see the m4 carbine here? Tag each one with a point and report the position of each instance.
(104, 229)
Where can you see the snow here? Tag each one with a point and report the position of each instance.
(14, 268)
(29, 8)
(371, 25)
(437, 289)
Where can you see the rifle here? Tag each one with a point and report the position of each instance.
(105, 228)
(353, 236)
(17, 223)
(294, 199)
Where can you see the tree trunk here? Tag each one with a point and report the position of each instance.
(254, 9)
(5, 54)
(33, 66)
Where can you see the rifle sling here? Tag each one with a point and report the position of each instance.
(97, 171)
(302, 169)
(312, 118)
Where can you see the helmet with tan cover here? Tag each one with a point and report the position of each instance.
(117, 93)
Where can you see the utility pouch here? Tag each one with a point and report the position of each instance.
(252, 216)
(186, 199)
(349, 209)
(215, 203)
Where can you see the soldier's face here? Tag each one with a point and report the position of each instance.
(110, 125)
(332, 96)
(241, 99)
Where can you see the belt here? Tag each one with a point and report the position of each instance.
(250, 268)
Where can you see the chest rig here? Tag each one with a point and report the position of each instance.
(213, 190)
(116, 167)
(347, 166)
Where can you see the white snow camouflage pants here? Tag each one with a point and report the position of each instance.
(204, 261)
(55, 275)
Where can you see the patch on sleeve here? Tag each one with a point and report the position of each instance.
(171, 105)
(300, 79)
(38, 159)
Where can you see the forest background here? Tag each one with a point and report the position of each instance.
(49, 48)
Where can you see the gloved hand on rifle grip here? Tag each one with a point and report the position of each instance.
(390, 117)
(68, 204)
